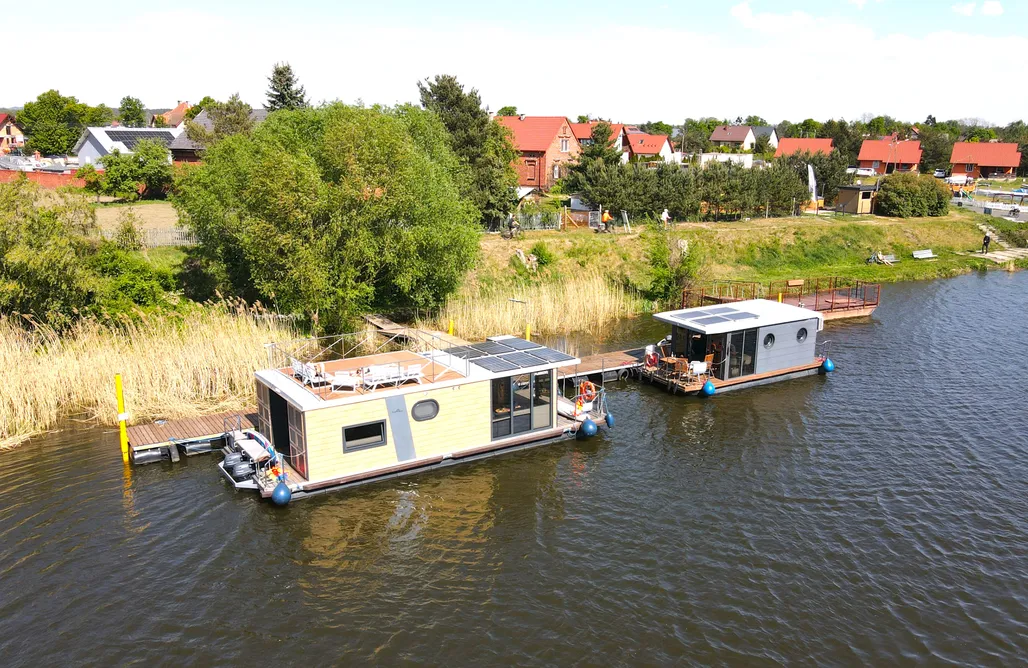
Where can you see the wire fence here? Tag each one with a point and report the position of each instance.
(159, 236)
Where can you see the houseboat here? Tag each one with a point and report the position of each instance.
(730, 346)
(327, 422)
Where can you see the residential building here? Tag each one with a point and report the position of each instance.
(889, 154)
(741, 159)
(546, 146)
(765, 131)
(584, 135)
(984, 159)
(733, 136)
(11, 136)
(173, 118)
(791, 145)
(183, 149)
(95, 143)
(642, 146)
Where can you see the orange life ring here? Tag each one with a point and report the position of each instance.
(651, 359)
(587, 390)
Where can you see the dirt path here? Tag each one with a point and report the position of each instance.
(150, 215)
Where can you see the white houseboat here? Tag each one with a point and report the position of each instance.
(734, 345)
(328, 421)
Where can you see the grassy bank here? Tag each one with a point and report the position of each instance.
(590, 278)
(172, 367)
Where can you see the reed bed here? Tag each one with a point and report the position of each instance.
(172, 366)
(557, 307)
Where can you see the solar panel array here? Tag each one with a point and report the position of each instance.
(132, 137)
(508, 354)
(714, 315)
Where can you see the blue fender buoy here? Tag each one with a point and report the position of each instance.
(588, 429)
(281, 495)
(827, 366)
(708, 389)
(610, 420)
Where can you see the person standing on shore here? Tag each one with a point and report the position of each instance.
(665, 218)
(985, 243)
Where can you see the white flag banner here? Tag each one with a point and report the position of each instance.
(811, 183)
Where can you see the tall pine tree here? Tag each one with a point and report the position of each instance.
(284, 91)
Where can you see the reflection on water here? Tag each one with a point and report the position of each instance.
(874, 516)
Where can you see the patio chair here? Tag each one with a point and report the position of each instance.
(344, 380)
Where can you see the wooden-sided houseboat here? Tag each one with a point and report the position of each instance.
(729, 346)
(331, 421)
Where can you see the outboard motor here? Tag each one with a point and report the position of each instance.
(241, 471)
(231, 459)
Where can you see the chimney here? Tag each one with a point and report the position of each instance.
(521, 117)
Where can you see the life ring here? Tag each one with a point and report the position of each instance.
(651, 360)
(587, 390)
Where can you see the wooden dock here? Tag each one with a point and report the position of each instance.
(427, 337)
(606, 366)
(163, 433)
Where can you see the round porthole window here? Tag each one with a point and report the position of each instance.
(769, 340)
(801, 335)
(425, 410)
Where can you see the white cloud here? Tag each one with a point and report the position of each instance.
(217, 57)
(964, 9)
(859, 4)
(992, 8)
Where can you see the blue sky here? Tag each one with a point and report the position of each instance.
(644, 60)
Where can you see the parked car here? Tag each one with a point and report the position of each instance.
(939, 173)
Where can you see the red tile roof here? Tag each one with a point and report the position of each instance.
(730, 133)
(3, 118)
(175, 116)
(533, 133)
(585, 130)
(986, 154)
(641, 143)
(889, 150)
(790, 145)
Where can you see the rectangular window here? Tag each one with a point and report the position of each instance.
(742, 353)
(501, 407)
(876, 164)
(522, 392)
(969, 168)
(865, 195)
(531, 166)
(565, 145)
(556, 172)
(362, 436)
(542, 399)
(749, 352)
(263, 410)
(297, 443)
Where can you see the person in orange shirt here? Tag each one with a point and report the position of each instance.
(606, 219)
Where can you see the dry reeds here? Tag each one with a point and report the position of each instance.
(172, 366)
(569, 305)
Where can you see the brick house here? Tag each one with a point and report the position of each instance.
(546, 144)
(889, 154)
(793, 145)
(11, 136)
(988, 159)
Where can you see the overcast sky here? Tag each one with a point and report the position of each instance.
(628, 61)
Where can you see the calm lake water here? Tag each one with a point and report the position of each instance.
(876, 516)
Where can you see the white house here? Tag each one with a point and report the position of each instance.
(743, 136)
(95, 143)
(744, 159)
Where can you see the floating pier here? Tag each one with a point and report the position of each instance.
(167, 439)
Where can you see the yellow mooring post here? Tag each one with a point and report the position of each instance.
(779, 297)
(450, 330)
(122, 416)
(528, 332)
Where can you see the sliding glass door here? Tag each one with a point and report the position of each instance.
(742, 353)
(521, 403)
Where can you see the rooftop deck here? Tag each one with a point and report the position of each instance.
(329, 380)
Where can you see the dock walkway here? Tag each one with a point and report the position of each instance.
(607, 366)
(428, 337)
(163, 433)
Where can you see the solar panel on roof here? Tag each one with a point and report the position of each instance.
(520, 344)
(551, 355)
(132, 137)
(739, 315)
(693, 314)
(491, 347)
(522, 360)
(720, 310)
(495, 364)
(711, 320)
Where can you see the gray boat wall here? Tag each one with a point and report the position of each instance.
(787, 351)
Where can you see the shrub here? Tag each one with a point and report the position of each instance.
(909, 195)
(543, 254)
(127, 237)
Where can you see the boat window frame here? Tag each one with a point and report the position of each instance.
(769, 341)
(801, 335)
(424, 402)
(384, 440)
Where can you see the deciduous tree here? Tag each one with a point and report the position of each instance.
(131, 112)
(509, 110)
(52, 123)
(227, 119)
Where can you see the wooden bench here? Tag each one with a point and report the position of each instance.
(925, 254)
(891, 259)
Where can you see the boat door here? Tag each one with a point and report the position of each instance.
(717, 345)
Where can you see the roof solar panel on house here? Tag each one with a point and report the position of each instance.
(520, 344)
(719, 310)
(132, 137)
(495, 364)
(522, 360)
(491, 347)
(710, 320)
(464, 352)
(739, 315)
